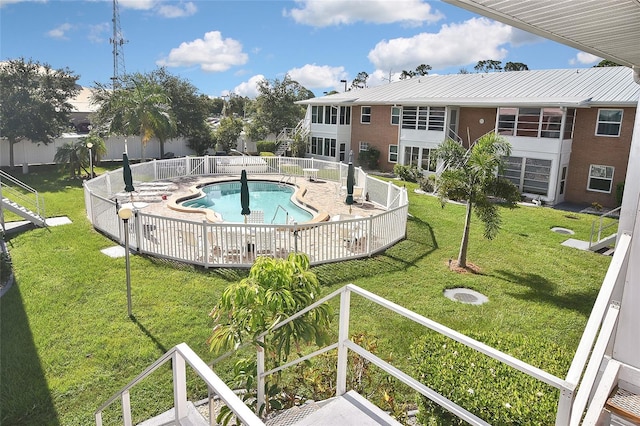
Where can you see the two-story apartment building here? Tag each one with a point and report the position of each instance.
(570, 130)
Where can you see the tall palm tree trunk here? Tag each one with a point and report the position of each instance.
(462, 256)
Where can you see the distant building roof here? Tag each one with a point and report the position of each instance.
(561, 87)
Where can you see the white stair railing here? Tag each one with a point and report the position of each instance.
(601, 227)
(180, 356)
(21, 194)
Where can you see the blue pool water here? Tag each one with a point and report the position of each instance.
(224, 199)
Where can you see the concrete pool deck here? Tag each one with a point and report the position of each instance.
(322, 196)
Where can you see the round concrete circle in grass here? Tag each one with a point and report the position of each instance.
(560, 230)
(466, 295)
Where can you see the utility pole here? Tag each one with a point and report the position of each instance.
(118, 53)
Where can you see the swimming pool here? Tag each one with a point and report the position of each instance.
(274, 199)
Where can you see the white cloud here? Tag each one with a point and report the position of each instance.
(314, 76)
(249, 88)
(322, 13)
(177, 10)
(583, 58)
(6, 2)
(60, 32)
(99, 33)
(160, 7)
(454, 45)
(212, 53)
(138, 4)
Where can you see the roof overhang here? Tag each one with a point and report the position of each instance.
(609, 29)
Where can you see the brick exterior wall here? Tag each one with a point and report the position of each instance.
(380, 133)
(470, 118)
(587, 149)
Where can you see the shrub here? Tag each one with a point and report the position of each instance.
(407, 173)
(619, 193)
(369, 158)
(493, 391)
(427, 183)
(266, 146)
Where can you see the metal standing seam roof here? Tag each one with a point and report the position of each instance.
(561, 87)
(609, 29)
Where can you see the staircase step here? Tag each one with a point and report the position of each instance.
(625, 404)
(193, 418)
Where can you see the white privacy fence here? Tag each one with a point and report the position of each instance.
(236, 244)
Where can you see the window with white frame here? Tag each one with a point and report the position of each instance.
(411, 156)
(323, 146)
(330, 114)
(395, 115)
(365, 114)
(600, 178)
(363, 146)
(393, 153)
(423, 118)
(345, 115)
(428, 161)
(609, 122)
(530, 175)
(534, 122)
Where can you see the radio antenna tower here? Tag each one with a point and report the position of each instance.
(118, 53)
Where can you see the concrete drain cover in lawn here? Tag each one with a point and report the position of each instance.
(562, 231)
(466, 295)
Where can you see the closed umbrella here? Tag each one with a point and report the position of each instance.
(126, 174)
(350, 182)
(244, 195)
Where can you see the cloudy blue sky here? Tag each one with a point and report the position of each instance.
(227, 46)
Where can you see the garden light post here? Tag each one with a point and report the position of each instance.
(90, 145)
(125, 214)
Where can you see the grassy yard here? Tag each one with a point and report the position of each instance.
(67, 344)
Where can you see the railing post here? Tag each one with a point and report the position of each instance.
(389, 191)
(343, 335)
(179, 386)
(260, 379)
(206, 165)
(126, 409)
(563, 416)
(155, 170)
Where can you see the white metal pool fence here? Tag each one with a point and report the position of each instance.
(235, 244)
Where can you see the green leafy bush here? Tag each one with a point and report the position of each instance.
(427, 183)
(493, 391)
(266, 146)
(619, 193)
(369, 158)
(407, 173)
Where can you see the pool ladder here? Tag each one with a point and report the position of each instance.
(286, 179)
(276, 213)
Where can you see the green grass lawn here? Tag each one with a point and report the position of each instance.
(67, 343)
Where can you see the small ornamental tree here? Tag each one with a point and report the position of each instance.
(274, 290)
(474, 177)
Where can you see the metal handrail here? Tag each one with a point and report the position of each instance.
(276, 213)
(36, 204)
(601, 227)
(344, 343)
(180, 355)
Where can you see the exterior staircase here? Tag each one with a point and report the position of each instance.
(288, 135)
(19, 198)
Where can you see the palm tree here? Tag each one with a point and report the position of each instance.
(74, 156)
(139, 107)
(473, 176)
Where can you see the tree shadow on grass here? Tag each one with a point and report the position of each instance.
(24, 395)
(420, 243)
(540, 289)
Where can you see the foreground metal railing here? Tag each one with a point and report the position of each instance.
(586, 363)
(180, 356)
(597, 232)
